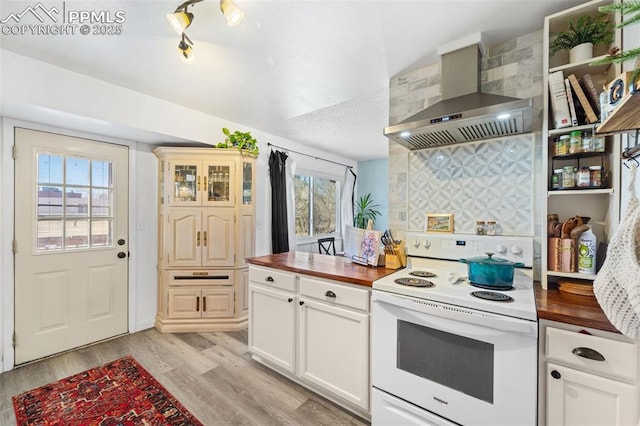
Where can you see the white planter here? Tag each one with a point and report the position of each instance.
(581, 52)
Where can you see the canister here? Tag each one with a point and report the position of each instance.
(595, 178)
(562, 145)
(575, 142)
(568, 177)
(584, 177)
(491, 227)
(587, 142)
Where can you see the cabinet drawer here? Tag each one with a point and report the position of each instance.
(335, 293)
(200, 277)
(620, 358)
(271, 278)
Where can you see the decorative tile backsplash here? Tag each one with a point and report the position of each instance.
(486, 180)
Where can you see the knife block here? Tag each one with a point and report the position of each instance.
(397, 260)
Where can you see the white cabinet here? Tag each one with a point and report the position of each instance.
(588, 379)
(314, 330)
(601, 203)
(205, 232)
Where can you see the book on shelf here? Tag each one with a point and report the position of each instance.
(558, 100)
(572, 107)
(582, 98)
(592, 93)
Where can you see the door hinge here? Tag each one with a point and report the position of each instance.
(14, 151)
(13, 339)
(14, 246)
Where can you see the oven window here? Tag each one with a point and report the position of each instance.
(456, 362)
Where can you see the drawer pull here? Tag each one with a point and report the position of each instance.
(197, 303)
(269, 279)
(290, 299)
(556, 374)
(588, 353)
(204, 303)
(329, 293)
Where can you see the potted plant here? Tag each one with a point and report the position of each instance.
(581, 35)
(243, 141)
(615, 56)
(365, 210)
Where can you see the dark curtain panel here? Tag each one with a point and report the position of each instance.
(279, 228)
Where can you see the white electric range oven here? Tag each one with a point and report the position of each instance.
(445, 352)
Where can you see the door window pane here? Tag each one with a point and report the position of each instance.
(185, 183)
(67, 200)
(247, 182)
(324, 206)
(218, 187)
(450, 360)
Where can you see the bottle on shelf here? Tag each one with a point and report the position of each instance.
(587, 252)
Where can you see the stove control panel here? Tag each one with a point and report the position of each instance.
(462, 246)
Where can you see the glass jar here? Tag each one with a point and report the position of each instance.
(587, 142)
(480, 229)
(598, 144)
(575, 142)
(556, 179)
(595, 176)
(568, 177)
(584, 177)
(604, 105)
(562, 145)
(491, 227)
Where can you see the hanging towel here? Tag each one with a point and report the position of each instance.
(617, 285)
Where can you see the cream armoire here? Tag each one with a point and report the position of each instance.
(205, 232)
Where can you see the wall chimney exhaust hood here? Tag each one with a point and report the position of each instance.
(465, 114)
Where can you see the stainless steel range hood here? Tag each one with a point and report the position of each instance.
(464, 114)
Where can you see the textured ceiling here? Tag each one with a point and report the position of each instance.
(315, 72)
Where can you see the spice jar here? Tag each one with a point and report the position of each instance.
(575, 142)
(568, 177)
(480, 229)
(584, 177)
(595, 177)
(598, 144)
(587, 142)
(556, 179)
(491, 227)
(562, 145)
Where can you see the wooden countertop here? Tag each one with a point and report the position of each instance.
(336, 268)
(584, 311)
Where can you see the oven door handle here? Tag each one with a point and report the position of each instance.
(457, 313)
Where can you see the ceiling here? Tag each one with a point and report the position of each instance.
(315, 72)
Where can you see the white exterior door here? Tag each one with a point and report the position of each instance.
(71, 231)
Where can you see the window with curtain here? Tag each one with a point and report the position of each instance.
(317, 205)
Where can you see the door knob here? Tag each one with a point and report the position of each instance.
(122, 255)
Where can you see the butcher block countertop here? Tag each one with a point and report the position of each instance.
(336, 268)
(583, 311)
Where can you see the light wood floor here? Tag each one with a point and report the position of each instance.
(211, 374)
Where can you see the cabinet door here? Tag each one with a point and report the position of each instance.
(581, 399)
(187, 183)
(272, 316)
(247, 238)
(185, 237)
(242, 296)
(333, 350)
(219, 183)
(184, 302)
(218, 237)
(217, 302)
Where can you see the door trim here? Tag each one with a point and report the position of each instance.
(7, 362)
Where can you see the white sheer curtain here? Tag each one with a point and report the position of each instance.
(291, 203)
(346, 199)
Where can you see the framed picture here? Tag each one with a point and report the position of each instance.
(439, 222)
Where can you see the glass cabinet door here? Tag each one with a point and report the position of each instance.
(185, 183)
(247, 183)
(219, 182)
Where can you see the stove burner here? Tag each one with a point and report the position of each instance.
(494, 288)
(414, 282)
(493, 296)
(423, 274)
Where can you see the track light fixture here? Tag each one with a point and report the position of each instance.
(181, 19)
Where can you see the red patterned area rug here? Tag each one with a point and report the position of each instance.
(120, 393)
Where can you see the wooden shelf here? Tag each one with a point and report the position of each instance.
(576, 275)
(567, 130)
(586, 191)
(625, 117)
(581, 68)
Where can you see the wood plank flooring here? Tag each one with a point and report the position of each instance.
(211, 374)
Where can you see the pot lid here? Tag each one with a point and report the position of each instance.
(490, 260)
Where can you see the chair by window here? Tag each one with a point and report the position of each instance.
(327, 246)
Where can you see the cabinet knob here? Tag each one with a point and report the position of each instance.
(269, 279)
(556, 374)
(122, 255)
(121, 242)
(329, 293)
(301, 303)
(588, 353)
(290, 299)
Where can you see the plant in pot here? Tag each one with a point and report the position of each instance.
(581, 35)
(365, 210)
(630, 9)
(243, 141)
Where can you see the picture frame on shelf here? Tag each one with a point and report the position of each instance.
(439, 223)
